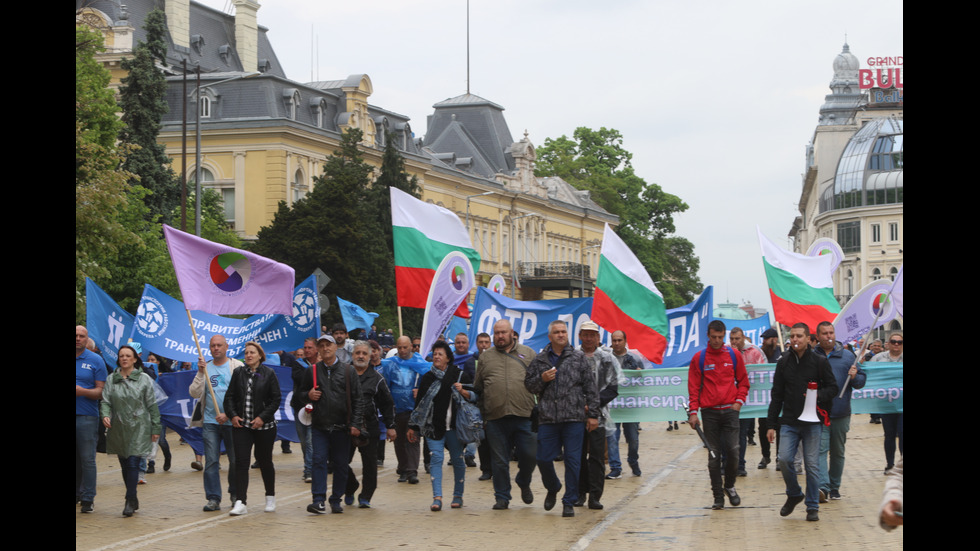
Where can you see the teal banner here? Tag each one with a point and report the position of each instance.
(651, 395)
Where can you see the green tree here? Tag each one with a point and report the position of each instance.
(330, 229)
(595, 160)
(100, 183)
(143, 100)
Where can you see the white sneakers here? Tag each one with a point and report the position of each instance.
(238, 509)
(270, 504)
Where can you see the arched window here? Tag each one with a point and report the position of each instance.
(299, 185)
(875, 274)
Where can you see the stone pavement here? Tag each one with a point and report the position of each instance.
(666, 508)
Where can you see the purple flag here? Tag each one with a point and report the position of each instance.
(858, 315)
(451, 284)
(219, 279)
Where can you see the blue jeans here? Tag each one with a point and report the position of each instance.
(832, 441)
(130, 467)
(436, 447)
(86, 437)
(305, 444)
(790, 436)
(551, 439)
(502, 436)
(332, 446)
(213, 436)
(631, 431)
(612, 445)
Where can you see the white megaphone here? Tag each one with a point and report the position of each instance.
(306, 415)
(810, 406)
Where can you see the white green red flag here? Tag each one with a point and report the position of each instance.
(423, 235)
(801, 287)
(627, 300)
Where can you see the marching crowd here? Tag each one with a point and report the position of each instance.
(504, 402)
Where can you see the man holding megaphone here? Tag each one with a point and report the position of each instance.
(803, 389)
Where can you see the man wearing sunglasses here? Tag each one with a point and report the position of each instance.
(892, 423)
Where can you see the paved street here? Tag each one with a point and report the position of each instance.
(666, 508)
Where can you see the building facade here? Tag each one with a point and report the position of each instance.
(853, 183)
(265, 137)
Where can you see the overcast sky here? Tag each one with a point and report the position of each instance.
(716, 100)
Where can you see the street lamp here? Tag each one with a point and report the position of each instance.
(197, 129)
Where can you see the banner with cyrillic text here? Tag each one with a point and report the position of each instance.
(660, 394)
(530, 318)
(161, 326)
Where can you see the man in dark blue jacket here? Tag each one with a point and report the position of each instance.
(833, 438)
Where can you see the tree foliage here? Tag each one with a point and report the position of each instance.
(332, 228)
(595, 160)
(143, 100)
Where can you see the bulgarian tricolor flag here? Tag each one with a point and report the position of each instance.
(423, 235)
(801, 286)
(627, 300)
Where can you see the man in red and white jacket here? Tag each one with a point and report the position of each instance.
(717, 384)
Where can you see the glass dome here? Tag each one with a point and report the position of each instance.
(870, 169)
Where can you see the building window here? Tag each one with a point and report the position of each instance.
(205, 107)
(849, 236)
(299, 186)
(893, 273)
(849, 283)
(876, 233)
(875, 274)
(893, 231)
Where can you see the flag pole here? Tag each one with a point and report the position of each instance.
(400, 331)
(200, 354)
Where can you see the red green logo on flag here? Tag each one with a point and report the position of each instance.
(230, 271)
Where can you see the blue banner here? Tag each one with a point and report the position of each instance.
(753, 328)
(161, 326)
(529, 318)
(108, 324)
(688, 324)
(176, 412)
(688, 329)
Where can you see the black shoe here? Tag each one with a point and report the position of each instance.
(670, 426)
(764, 463)
(285, 446)
(412, 479)
(636, 470)
(823, 496)
(527, 496)
(568, 511)
(550, 500)
(470, 462)
(561, 457)
(136, 504)
(811, 515)
(791, 503)
(403, 477)
(255, 465)
(486, 476)
(151, 467)
(316, 507)
(719, 503)
(211, 506)
(675, 426)
(166, 461)
(427, 468)
(741, 472)
(336, 508)
(501, 504)
(88, 506)
(581, 501)
(381, 462)
(594, 504)
(128, 510)
(733, 497)
(751, 441)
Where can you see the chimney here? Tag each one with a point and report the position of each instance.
(178, 14)
(247, 33)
